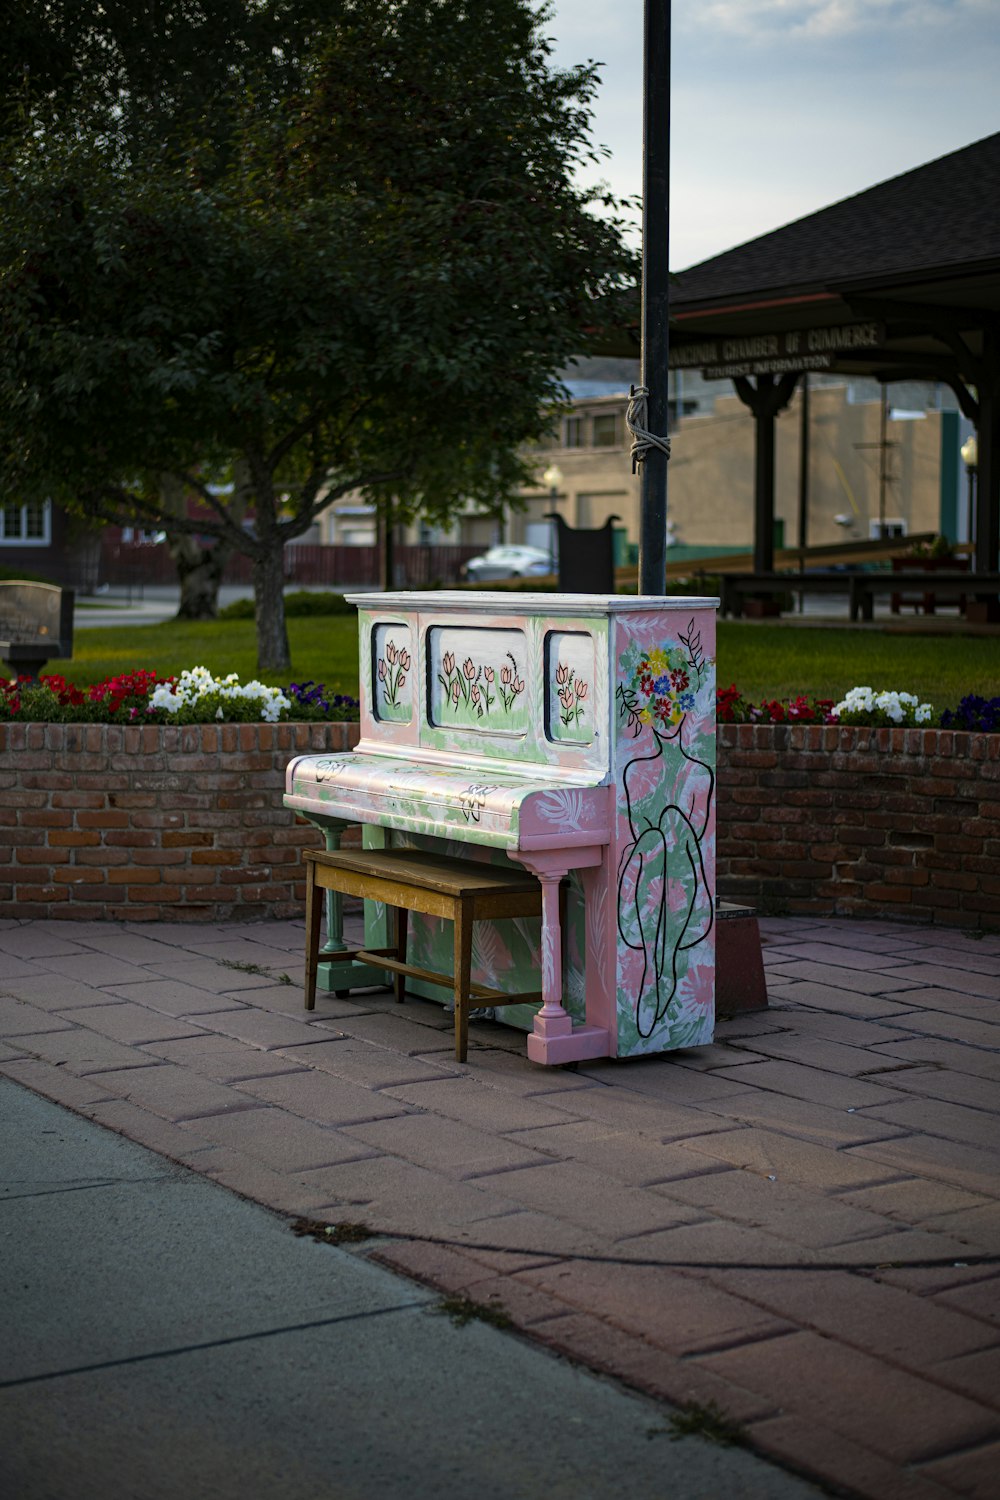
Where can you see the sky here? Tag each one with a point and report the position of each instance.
(781, 107)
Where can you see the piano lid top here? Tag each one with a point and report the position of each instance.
(506, 602)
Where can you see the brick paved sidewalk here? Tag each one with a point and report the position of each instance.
(799, 1224)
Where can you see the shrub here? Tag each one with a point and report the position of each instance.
(300, 602)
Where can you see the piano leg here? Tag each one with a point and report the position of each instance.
(552, 1020)
(334, 971)
(554, 1039)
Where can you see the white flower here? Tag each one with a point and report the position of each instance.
(198, 682)
(900, 708)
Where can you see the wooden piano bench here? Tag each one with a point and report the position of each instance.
(463, 890)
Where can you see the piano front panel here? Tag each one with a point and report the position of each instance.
(524, 688)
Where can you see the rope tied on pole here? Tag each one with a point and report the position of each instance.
(636, 416)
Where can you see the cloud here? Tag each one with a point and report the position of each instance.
(764, 20)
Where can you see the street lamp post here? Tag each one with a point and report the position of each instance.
(970, 458)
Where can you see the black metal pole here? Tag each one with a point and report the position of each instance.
(803, 528)
(655, 292)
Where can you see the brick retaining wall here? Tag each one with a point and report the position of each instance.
(902, 823)
(186, 823)
(172, 823)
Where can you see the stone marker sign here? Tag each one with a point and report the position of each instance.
(36, 625)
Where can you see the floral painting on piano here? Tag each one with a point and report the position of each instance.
(394, 672)
(478, 679)
(665, 762)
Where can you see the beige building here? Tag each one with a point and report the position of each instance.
(859, 483)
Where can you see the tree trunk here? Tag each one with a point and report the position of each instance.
(386, 532)
(273, 654)
(199, 570)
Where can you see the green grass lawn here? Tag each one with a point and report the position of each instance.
(763, 660)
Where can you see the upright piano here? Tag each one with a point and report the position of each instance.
(574, 734)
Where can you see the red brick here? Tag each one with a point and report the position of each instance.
(105, 818)
(47, 818)
(42, 856)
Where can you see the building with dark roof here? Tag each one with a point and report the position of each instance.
(900, 282)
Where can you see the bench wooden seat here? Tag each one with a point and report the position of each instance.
(463, 890)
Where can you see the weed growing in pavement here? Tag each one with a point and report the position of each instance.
(332, 1234)
(709, 1422)
(462, 1310)
(232, 963)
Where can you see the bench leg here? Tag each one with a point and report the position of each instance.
(463, 977)
(313, 913)
(399, 980)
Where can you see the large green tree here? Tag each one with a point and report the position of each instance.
(370, 284)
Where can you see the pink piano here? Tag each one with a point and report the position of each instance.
(574, 734)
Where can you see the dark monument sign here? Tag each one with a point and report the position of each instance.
(36, 624)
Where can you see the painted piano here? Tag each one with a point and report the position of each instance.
(574, 734)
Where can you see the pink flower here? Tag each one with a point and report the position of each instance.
(448, 662)
(402, 680)
(455, 692)
(381, 670)
(468, 668)
(506, 676)
(566, 697)
(581, 688)
(518, 687)
(391, 652)
(404, 660)
(562, 673)
(488, 673)
(474, 694)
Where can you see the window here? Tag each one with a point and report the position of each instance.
(573, 432)
(28, 525)
(605, 431)
(892, 526)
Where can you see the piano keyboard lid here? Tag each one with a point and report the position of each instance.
(478, 802)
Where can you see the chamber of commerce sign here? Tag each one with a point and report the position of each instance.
(775, 353)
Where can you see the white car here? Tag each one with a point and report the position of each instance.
(510, 562)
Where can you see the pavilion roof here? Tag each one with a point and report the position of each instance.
(937, 222)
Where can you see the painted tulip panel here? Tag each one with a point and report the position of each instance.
(570, 672)
(393, 672)
(478, 679)
(665, 774)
